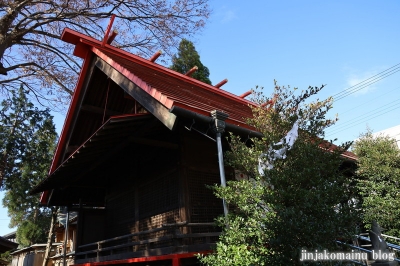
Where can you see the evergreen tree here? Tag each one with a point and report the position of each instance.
(27, 141)
(378, 181)
(295, 196)
(188, 58)
(6, 257)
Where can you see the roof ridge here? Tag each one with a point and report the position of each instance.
(74, 37)
(165, 100)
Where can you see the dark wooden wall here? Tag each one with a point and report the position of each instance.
(144, 190)
(149, 186)
(91, 224)
(200, 164)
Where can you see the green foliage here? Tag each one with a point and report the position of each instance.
(187, 58)
(27, 140)
(30, 232)
(6, 256)
(302, 202)
(378, 181)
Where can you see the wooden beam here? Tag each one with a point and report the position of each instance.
(104, 156)
(112, 36)
(73, 111)
(155, 56)
(71, 149)
(146, 100)
(107, 33)
(98, 110)
(191, 71)
(155, 143)
(219, 85)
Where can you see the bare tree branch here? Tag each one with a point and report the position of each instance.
(32, 53)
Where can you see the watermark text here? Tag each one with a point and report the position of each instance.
(318, 255)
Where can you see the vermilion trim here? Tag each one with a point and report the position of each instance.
(167, 71)
(135, 79)
(68, 122)
(96, 132)
(107, 34)
(70, 114)
(173, 257)
(74, 37)
(44, 197)
(153, 91)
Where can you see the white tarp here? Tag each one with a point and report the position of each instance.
(266, 160)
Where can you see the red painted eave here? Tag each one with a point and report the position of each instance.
(350, 156)
(332, 147)
(154, 66)
(67, 124)
(85, 45)
(178, 96)
(75, 37)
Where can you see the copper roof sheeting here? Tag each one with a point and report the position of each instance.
(179, 91)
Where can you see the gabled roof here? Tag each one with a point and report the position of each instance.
(159, 90)
(147, 82)
(11, 235)
(114, 82)
(174, 89)
(7, 245)
(165, 85)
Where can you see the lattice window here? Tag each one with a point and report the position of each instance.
(120, 213)
(157, 221)
(205, 207)
(159, 195)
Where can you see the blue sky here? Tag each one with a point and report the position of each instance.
(302, 43)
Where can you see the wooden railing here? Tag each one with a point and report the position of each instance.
(173, 240)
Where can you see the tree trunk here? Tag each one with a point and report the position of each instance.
(6, 22)
(50, 237)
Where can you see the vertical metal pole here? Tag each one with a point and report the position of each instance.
(221, 169)
(66, 236)
(219, 128)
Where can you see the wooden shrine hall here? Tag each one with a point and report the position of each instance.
(137, 149)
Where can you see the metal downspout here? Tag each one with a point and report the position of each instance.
(219, 127)
(66, 237)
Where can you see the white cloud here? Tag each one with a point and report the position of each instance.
(362, 83)
(225, 14)
(228, 16)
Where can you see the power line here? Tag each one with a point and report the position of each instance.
(365, 119)
(368, 118)
(381, 95)
(365, 83)
(373, 112)
(368, 84)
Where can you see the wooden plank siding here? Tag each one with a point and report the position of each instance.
(150, 186)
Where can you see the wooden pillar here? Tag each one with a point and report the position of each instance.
(136, 173)
(176, 261)
(66, 236)
(183, 183)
